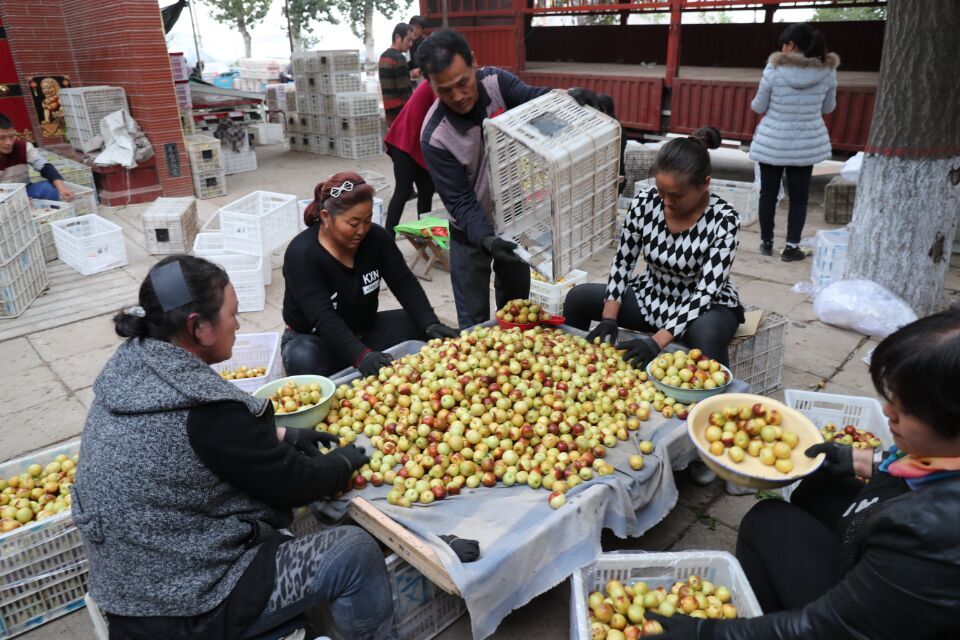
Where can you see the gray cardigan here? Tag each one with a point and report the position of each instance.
(164, 535)
(793, 95)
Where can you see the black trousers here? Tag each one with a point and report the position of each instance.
(711, 332)
(305, 353)
(790, 551)
(798, 188)
(406, 173)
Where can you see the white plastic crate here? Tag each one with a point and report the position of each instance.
(246, 275)
(829, 257)
(328, 104)
(210, 243)
(22, 279)
(421, 609)
(758, 359)
(360, 147)
(178, 65)
(238, 162)
(356, 104)
(17, 226)
(319, 144)
(293, 123)
(339, 61)
(353, 127)
(334, 83)
(84, 198)
(376, 180)
(378, 211)
(308, 101)
(267, 133)
(259, 223)
(296, 143)
(170, 225)
(204, 152)
(210, 184)
(84, 107)
(43, 568)
(637, 160)
(89, 244)
(184, 97)
(254, 350)
(550, 295)
(45, 211)
(742, 196)
(70, 170)
(658, 570)
(553, 177)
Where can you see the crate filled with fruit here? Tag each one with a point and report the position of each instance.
(612, 599)
(243, 372)
(40, 492)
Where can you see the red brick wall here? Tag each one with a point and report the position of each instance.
(117, 43)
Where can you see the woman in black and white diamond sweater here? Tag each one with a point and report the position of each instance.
(688, 239)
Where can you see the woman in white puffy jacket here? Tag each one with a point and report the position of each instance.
(799, 85)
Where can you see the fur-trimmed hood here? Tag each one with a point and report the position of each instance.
(801, 72)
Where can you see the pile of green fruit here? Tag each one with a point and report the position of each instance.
(41, 492)
(243, 372)
(850, 435)
(522, 312)
(291, 398)
(691, 370)
(619, 612)
(752, 431)
(537, 407)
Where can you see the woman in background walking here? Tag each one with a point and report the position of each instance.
(799, 85)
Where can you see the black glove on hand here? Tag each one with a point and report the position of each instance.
(466, 550)
(681, 627)
(607, 331)
(584, 97)
(308, 441)
(839, 458)
(640, 351)
(500, 249)
(371, 363)
(354, 456)
(441, 331)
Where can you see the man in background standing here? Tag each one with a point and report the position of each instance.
(395, 84)
(417, 24)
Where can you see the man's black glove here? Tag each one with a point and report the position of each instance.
(308, 441)
(640, 351)
(354, 456)
(607, 331)
(500, 249)
(585, 97)
(441, 331)
(681, 627)
(371, 363)
(838, 459)
(466, 550)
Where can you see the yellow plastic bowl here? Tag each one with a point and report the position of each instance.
(308, 417)
(751, 472)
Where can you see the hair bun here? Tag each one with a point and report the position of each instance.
(707, 136)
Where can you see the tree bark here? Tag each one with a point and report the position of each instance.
(368, 43)
(908, 196)
(247, 44)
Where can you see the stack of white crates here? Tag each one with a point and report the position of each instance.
(553, 176)
(206, 164)
(244, 159)
(282, 97)
(243, 236)
(23, 274)
(181, 80)
(44, 212)
(85, 107)
(71, 170)
(255, 74)
(334, 117)
(170, 225)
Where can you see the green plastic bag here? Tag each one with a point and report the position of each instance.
(437, 229)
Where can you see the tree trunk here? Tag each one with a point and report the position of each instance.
(368, 43)
(908, 196)
(246, 41)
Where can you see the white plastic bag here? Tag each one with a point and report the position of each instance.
(851, 168)
(864, 306)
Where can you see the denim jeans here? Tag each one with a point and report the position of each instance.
(43, 190)
(342, 566)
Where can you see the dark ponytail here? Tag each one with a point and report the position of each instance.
(689, 156)
(205, 283)
(808, 40)
(323, 197)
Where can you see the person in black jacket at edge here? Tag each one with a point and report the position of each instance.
(185, 484)
(873, 561)
(332, 272)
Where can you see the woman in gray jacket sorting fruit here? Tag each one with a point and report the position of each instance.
(184, 482)
(333, 271)
(884, 562)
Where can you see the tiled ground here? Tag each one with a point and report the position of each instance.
(45, 385)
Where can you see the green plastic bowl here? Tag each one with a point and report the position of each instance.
(304, 418)
(686, 396)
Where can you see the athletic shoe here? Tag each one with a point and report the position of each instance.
(766, 248)
(792, 254)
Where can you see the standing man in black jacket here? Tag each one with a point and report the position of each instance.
(877, 561)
